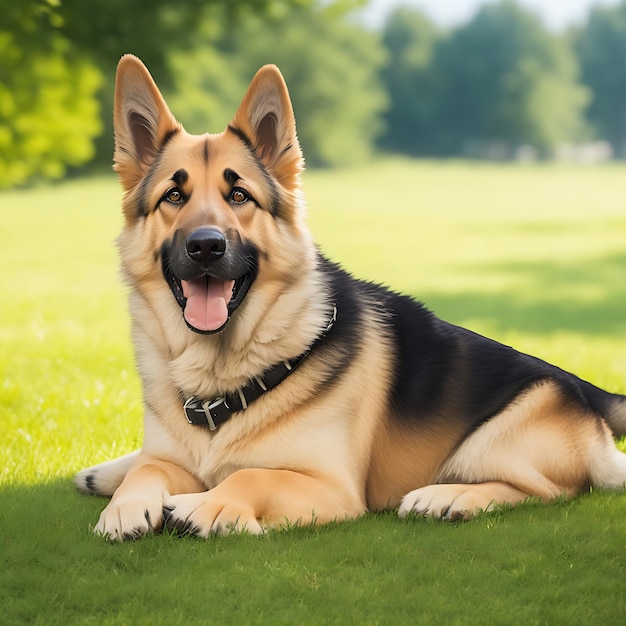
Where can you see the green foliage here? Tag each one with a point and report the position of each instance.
(495, 83)
(336, 94)
(601, 49)
(153, 29)
(57, 64)
(335, 90)
(205, 96)
(184, 45)
(529, 262)
(411, 81)
(48, 112)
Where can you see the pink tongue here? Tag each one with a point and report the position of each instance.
(207, 302)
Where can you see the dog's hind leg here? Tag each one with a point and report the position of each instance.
(544, 444)
(105, 478)
(463, 501)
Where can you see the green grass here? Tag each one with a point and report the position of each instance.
(533, 256)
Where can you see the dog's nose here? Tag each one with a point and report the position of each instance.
(206, 245)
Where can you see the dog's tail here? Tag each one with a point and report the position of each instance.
(615, 415)
(611, 406)
(104, 479)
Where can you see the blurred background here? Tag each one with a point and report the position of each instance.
(500, 80)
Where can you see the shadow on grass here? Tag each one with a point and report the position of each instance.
(558, 563)
(587, 296)
(48, 511)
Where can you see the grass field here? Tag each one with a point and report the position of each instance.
(534, 256)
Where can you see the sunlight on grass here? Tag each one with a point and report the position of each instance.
(64, 350)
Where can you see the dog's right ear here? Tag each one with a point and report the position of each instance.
(141, 120)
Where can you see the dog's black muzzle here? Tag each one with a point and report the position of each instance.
(207, 254)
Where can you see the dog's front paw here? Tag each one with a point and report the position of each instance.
(125, 519)
(204, 514)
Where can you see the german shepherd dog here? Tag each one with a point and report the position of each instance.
(277, 388)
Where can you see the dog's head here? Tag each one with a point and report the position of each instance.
(208, 217)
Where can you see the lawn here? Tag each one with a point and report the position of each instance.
(534, 256)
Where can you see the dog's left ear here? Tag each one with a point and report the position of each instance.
(265, 118)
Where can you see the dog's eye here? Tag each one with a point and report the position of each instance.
(239, 196)
(173, 196)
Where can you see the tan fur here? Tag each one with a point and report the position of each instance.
(252, 499)
(417, 454)
(533, 444)
(305, 453)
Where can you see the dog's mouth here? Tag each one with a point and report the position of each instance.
(207, 302)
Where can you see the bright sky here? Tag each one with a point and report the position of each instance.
(557, 14)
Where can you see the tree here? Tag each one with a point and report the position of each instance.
(410, 80)
(508, 81)
(491, 85)
(154, 30)
(106, 29)
(601, 49)
(48, 111)
(57, 64)
(330, 65)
